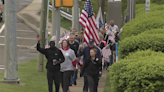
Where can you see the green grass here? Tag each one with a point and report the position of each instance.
(27, 73)
(67, 24)
(107, 85)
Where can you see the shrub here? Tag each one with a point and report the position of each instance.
(141, 42)
(138, 73)
(124, 3)
(154, 31)
(140, 9)
(146, 21)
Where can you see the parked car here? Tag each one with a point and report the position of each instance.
(1, 12)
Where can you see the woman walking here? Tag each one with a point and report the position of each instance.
(92, 64)
(69, 65)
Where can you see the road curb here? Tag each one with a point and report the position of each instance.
(28, 23)
(32, 49)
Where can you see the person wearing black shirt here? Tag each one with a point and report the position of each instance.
(74, 46)
(54, 58)
(92, 64)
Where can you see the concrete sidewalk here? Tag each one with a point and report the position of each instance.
(80, 83)
(30, 16)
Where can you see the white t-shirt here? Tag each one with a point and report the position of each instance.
(115, 27)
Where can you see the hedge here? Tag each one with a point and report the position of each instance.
(145, 22)
(141, 42)
(154, 31)
(138, 73)
(124, 3)
(140, 9)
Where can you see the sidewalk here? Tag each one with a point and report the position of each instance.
(30, 16)
(80, 83)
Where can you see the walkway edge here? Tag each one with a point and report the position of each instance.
(27, 23)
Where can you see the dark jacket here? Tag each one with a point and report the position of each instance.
(102, 45)
(92, 66)
(86, 53)
(50, 54)
(74, 47)
(105, 36)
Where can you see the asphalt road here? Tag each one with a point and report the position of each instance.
(26, 37)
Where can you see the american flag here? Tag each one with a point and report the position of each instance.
(106, 26)
(121, 29)
(68, 33)
(53, 37)
(62, 38)
(111, 39)
(87, 20)
(106, 52)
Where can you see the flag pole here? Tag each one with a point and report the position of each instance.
(83, 40)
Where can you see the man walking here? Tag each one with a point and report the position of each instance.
(54, 58)
(86, 53)
(74, 46)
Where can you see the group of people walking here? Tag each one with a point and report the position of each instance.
(74, 55)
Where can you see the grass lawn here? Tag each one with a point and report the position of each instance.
(67, 24)
(27, 73)
(107, 85)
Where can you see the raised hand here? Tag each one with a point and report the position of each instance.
(38, 38)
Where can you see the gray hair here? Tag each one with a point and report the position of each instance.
(72, 35)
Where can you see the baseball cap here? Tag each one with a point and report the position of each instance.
(91, 41)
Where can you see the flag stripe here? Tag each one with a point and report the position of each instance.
(82, 23)
(93, 19)
(83, 20)
(89, 29)
(87, 20)
(84, 13)
(94, 28)
(87, 34)
(93, 33)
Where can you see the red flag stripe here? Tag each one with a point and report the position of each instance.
(89, 29)
(87, 34)
(83, 20)
(93, 19)
(84, 13)
(82, 23)
(86, 41)
(93, 33)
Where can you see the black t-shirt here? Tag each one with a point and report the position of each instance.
(74, 47)
(102, 45)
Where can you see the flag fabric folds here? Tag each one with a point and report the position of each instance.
(106, 52)
(99, 19)
(53, 38)
(62, 38)
(87, 20)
